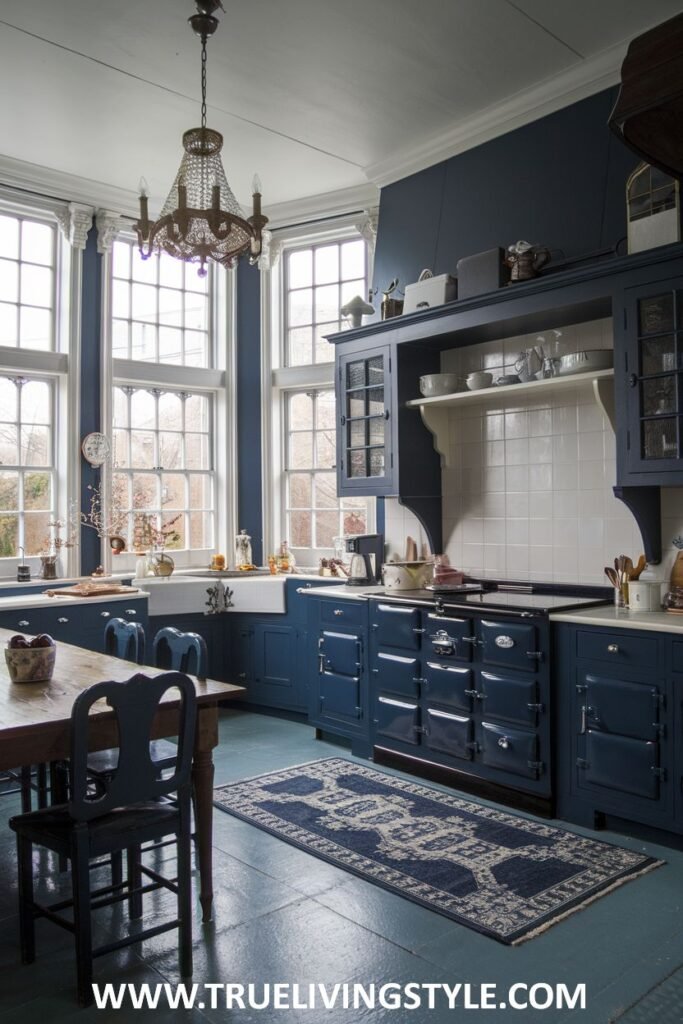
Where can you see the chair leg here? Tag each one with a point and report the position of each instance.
(116, 868)
(59, 794)
(134, 881)
(41, 773)
(80, 873)
(185, 899)
(27, 924)
(25, 776)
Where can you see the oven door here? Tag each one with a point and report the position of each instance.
(510, 645)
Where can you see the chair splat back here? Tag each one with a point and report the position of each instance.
(185, 652)
(138, 778)
(125, 640)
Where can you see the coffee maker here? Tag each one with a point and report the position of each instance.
(366, 559)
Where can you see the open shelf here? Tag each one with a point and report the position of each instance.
(434, 411)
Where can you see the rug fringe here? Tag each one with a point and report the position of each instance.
(587, 902)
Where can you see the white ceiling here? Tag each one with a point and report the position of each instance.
(316, 95)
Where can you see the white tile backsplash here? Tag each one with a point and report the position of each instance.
(528, 492)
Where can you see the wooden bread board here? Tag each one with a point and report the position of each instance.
(91, 590)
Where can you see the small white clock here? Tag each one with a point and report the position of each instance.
(96, 448)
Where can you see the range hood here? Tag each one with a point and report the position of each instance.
(648, 115)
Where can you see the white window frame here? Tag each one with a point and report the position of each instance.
(278, 379)
(61, 366)
(217, 381)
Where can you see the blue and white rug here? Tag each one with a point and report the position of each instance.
(505, 876)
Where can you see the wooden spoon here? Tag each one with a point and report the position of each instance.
(641, 565)
(611, 576)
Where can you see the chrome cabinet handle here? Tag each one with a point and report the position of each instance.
(613, 648)
(105, 615)
(242, 675)
(130, 611)
(23, 622)
(62, 618)
(503, 742)
(338, 611)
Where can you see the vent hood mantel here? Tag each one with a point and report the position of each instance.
(648, 115)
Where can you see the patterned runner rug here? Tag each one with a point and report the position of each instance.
(503, 875)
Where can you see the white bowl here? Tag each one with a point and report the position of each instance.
(438, 384)
(478, 380)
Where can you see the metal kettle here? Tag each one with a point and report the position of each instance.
(360, 571)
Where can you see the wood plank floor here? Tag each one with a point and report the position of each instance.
(282, 915)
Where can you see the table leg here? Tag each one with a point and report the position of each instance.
(206, 738)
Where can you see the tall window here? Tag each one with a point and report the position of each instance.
(27, 283)
(319, 280)
(315, 516)
(27, 473)
(315, 281)
(33, 269)
(163, 467)
(164, 399)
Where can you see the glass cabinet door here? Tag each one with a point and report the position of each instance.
(364, 430)
(658, 378)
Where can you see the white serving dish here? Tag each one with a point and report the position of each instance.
(584, 362)
(479, 379)
(434, 384)
(432, 291)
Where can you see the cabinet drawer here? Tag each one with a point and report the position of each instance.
(397, 674)
(677, 656)
(620, 763)
(341, 613)
(510, 645)
(396, 626)
(617, 648)
(398, 720)
(449, 734)
(449, 685)
(515, 700)
(511, 750)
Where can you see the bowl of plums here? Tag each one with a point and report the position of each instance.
(30, 660)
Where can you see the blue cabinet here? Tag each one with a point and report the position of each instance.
(653, 383)
(267, 653)
(365, 461)
(337, 665)
(213, 629)
(80, 624)
(619, 742)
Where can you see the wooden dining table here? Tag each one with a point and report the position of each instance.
(35, 721)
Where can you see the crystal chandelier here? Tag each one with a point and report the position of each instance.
(201, 220)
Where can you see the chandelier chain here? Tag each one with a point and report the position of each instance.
(203, 81)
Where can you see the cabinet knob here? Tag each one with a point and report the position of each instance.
(23, 623)
(62, 618)
(613, 648)
(504, 742)
(130, 611)
(242, 675)
(105, 615)
(632, 380)
(338, 611)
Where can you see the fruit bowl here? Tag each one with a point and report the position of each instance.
(31, 662)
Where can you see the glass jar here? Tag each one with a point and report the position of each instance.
(243, 553)
(285, 559)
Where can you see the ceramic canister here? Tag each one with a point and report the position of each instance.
(644, 597)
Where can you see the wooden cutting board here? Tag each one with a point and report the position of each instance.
(91, 590)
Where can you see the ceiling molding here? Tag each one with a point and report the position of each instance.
(577, 83)
(45, 181)
(323, 206)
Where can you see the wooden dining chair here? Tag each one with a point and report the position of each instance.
(128, 812)
(125, 640)
(185, 652)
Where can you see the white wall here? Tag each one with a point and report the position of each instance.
(528, 494)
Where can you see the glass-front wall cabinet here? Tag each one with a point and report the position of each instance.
(655, 379)
(364, 461)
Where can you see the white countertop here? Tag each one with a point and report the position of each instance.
(8, 604)
(622, 618)
(11, 583)
(342, 591)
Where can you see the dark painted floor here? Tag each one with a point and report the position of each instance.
(282, 915)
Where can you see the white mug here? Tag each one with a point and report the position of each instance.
(644, 597)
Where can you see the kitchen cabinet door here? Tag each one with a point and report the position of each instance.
(365, 426)
(652, 382)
